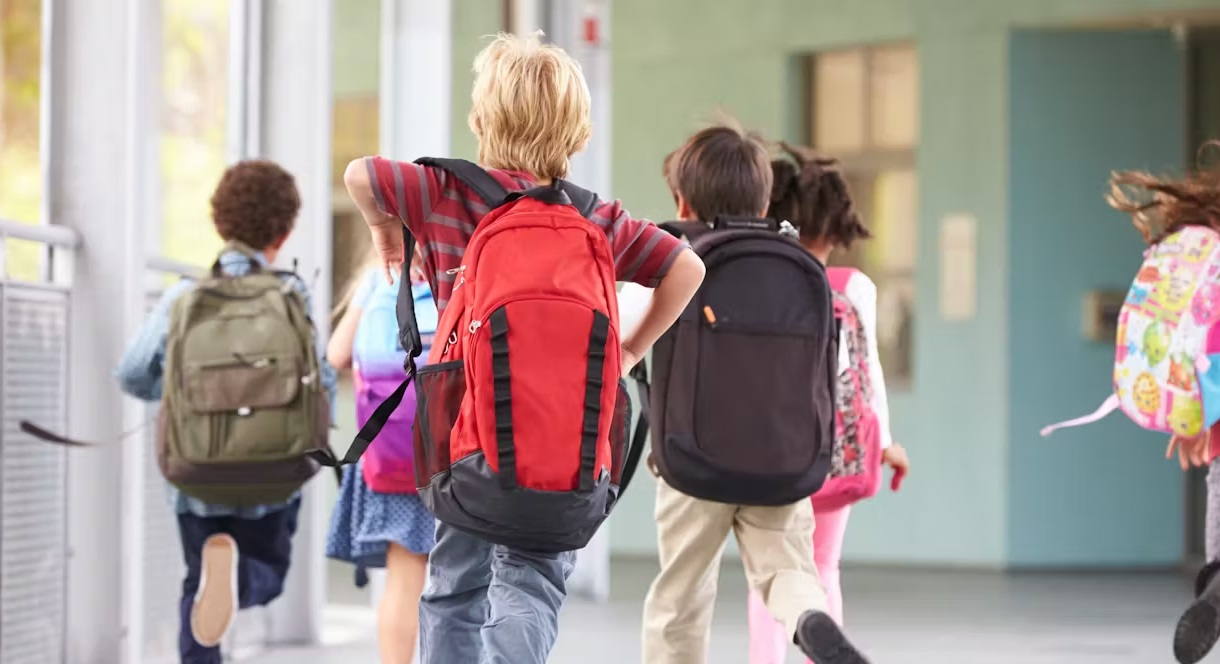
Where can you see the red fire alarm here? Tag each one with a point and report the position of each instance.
(591, 31)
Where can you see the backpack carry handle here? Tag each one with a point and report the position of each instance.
(692, 230)
(726, 223)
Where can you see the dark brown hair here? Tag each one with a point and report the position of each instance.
(256, 203)
(720, 171)
(1161, 206)
(810, 192)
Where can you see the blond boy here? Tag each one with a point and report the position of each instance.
(484, 602)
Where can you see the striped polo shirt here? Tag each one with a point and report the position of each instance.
(442, 212)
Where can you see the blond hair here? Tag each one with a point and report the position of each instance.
(530, 107)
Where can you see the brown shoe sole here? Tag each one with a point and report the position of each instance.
(216, 601)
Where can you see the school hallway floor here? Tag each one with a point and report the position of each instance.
(899, 617)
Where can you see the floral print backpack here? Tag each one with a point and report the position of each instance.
(855, 467)
(1167, 359)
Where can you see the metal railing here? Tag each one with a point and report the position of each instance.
(34, 325)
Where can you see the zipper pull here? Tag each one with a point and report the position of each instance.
(461, 272)
(709, 315)
(475, 325)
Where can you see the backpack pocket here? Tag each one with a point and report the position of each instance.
(242, 405)
(248, 383)
(620, 427)
(440, 389)
(755, 403)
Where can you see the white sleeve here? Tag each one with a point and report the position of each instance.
(633, 300)
(863, 294)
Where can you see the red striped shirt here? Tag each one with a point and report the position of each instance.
(442, 212)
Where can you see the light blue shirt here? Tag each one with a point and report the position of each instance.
(141, 369)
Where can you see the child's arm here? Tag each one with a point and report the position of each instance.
(668, 301)
(143, 363)
(389, 193)
(339, 348)
(648, 256)
(863, 293)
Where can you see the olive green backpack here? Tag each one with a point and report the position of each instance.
(243, 411)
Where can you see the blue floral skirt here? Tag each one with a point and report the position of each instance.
(364, 523)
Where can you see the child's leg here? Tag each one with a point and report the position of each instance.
(398, 613)
(193, 532)
(265, 547)
(1199, 628)
(768, 642)
(830, 527)
(776, 546)
(691, 535)
(526, 593)
(454, 605)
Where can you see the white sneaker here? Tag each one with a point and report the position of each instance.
(216, 602)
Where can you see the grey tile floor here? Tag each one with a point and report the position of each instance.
(899, 617)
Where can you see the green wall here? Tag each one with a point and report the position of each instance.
(677, 63)
(357, 35)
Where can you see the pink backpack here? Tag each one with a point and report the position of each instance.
(855, 467)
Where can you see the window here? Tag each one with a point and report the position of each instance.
(357, 60)
(20, 96)
(865, 111)
(195, 79)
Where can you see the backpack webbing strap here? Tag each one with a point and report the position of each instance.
(494, 194)
(480, 181)
(408, 337)
(367, 432)
(640, 374)
(691, 229)
(598, 335)
(503, 395)
(582, 199)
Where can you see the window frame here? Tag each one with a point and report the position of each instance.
(863, 166)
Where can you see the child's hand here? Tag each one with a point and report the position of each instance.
(387, 240)
(1191, 451)
(895, 456)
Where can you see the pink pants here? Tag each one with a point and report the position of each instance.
(768, 642)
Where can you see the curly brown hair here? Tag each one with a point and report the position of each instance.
(256, 203)
(810, 192)
(1161, 206)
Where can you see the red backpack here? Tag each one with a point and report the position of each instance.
(522, 416)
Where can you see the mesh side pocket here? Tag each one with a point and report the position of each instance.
(620, 427)
(439, 389)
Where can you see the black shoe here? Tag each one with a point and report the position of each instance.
(1199, 628)
(823, 642)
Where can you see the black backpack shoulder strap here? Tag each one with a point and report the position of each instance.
(472, 175)
(408, 337)
(691, 229)
(582, 199)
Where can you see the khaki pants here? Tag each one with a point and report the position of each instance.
(776, 545)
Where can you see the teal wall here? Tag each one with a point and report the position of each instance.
(1083, 104)
(676, 63)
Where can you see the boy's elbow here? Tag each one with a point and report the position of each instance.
(687, 271)
(356, 178)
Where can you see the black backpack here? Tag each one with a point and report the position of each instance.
(744, 392)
